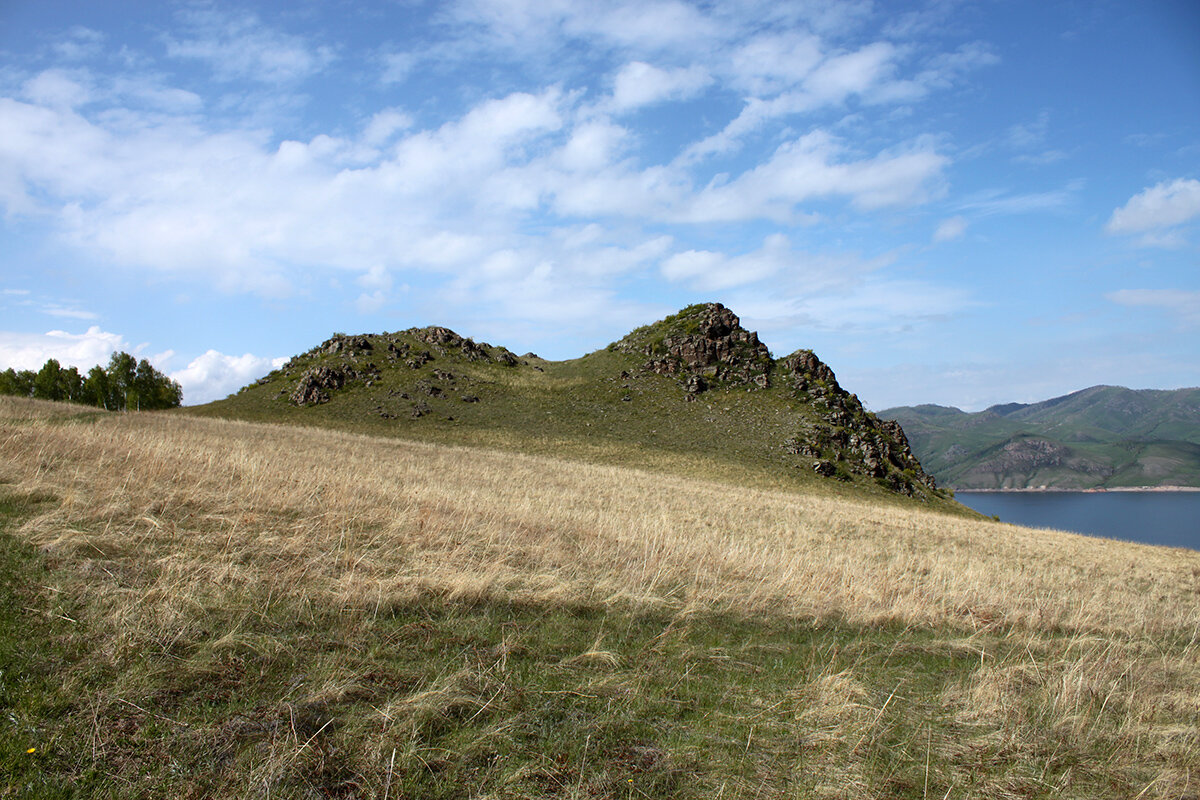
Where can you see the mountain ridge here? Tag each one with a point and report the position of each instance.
(1099, 437)
(695, 386)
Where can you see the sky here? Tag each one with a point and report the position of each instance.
(962, 203)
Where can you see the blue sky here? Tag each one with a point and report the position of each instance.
(961, 203)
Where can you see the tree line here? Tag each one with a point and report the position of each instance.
(127, 384)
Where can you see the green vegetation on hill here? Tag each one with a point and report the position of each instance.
(1102, 437)
(694, 392)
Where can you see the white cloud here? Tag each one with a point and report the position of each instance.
(709, 271)
(791, 74)
(592, 146)
(69, 313)
(397, 66)
(58, 88)
(1182, 303)
(1027, 135)
(372, 303)
(215, 375)
(812, 167)
(79, 43)
(997, 202)
(950, 229)
(240, 46)
(532, 26)
(844, 293)
(641, 84)
(1163, 205)
(770, 63)
(80, 350)
(384, 125)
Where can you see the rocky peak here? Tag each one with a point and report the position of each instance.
(446, 340)
(844, 434)
(705, 345)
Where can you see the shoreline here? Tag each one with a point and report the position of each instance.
(1101, 490)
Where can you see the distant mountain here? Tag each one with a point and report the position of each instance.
(696, 388)
(1102, 437)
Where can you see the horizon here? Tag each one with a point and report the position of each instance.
(964, 204)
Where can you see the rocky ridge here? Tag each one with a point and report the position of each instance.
(435, 374)
(706, 346)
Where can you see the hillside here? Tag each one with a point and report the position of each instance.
(694, 391)
(1102, 437)
(202, 608)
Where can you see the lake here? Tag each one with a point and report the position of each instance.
(1166, 518)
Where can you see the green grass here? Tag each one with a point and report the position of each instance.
(35, 631)
(281, 697)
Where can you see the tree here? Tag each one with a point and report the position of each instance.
(18, 383)
(48, 383)
(122, 379)
(154, 389)
(96, 388)
(72, 384)
(126, 384)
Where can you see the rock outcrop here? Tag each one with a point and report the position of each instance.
(315, 384)
(446, 341)
(845, 438)
(706, 346)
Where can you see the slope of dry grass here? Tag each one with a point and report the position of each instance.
(902, 652)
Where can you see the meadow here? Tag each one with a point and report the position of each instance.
(197, 607)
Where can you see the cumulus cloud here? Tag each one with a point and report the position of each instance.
(640, 84)
(814, 166)
(215, 375)
(131, 174)
(1162, 206)
(707, 270)
(80, 350)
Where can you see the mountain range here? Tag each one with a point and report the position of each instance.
(1096, 438)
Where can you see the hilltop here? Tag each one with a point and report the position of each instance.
(694, 391)
(1101, 437)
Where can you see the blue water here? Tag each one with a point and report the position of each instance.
(1166, 518)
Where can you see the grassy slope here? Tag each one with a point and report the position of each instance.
(602, 408)
(196, 608)
(1142, 438)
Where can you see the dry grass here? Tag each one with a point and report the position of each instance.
(1078, 641)
(362, 521)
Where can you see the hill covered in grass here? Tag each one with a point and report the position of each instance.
(1102, 437)
(693, 388)
(196, 608)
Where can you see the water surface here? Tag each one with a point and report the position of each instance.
(1166, 518)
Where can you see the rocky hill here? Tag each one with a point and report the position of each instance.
(1101, 437)
(694, 386)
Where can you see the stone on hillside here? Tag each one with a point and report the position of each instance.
(719, 349)
(315, 384)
